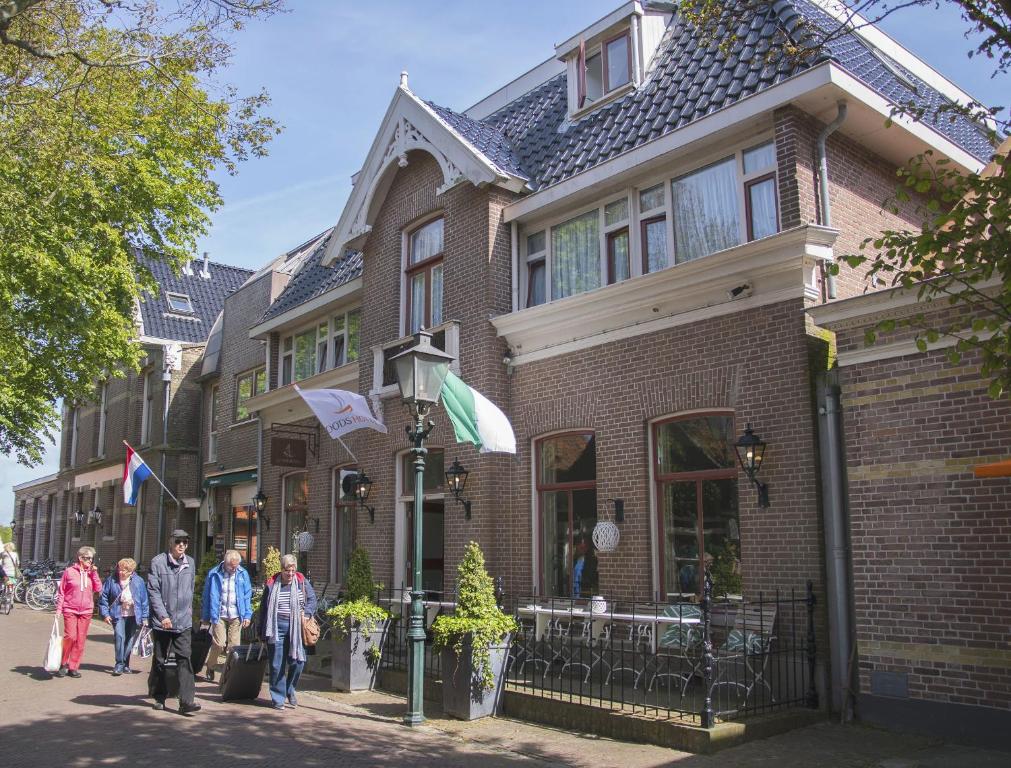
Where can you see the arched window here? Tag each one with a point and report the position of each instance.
(696, 491)
(567, 507)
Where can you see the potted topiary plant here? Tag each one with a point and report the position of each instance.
(270, 565)
(474, 642)
(359, 629)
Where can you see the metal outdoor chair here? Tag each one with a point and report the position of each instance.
(742, 661)
(679, 647)
(584, 651)
(630, 646)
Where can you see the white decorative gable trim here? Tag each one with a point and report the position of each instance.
(410, 124)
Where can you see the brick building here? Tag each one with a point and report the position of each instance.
(157, 410)
(618, 248)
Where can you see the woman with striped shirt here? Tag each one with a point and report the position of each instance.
(287, 597)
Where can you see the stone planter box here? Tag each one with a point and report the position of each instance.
(463, 696)
(350, 669)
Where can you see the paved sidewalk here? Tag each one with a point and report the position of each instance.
(103, 720)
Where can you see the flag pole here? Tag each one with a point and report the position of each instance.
(348, 450)
(152, 473)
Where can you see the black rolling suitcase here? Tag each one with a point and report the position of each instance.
(201, 646)
(170, 674)
(245, 668)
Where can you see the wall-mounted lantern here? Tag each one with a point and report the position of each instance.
(750, 452)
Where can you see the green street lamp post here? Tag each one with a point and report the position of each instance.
(421, 371)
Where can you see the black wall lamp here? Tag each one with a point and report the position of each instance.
(619, 510)
(358, 486)
(750, 451)
(260, 503)
(79, 517)
(456, 481)
(96, 516)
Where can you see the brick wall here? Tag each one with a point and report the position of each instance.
(931, 544)
(860, 183)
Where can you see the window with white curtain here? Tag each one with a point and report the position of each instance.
(706, 214)
(716, 207)
(575, 251)
(423, 277)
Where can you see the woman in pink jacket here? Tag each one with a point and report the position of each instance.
(75, 601)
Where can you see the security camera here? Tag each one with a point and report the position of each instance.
(742, 291)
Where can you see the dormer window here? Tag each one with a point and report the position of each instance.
(609, 58)
(605, 70)
(179, 302)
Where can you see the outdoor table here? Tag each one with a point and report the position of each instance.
(599, 620)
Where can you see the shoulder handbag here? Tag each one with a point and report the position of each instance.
(310, 631)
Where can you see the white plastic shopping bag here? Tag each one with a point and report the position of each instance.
(143, 646)
(54, 651)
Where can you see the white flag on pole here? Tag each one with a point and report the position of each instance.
(340, 411)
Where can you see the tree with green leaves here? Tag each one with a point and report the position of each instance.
(111, 124)
(959, 259)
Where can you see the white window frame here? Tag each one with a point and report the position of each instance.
(74, 413)
(213, 413)
(606, 229)
(331, 335)
(637, 215)
(103, 403)
(147, 407)
(172, 298)
(250, 374)
(405, 267)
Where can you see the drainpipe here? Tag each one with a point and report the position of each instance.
(825, 207)
(259, 488)
(836, 543)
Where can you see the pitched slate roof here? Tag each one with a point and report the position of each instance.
(312, 279)
(687, 82)
(207, 296)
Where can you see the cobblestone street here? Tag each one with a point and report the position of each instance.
(104, 720)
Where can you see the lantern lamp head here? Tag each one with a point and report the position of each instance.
(360, 486)
(260, 503)
(750, 452)
(421, 372)
(456, 481)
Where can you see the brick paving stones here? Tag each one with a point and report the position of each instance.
(104, 720)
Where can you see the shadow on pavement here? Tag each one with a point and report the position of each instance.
(35, 673)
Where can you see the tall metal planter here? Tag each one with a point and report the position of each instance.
(350, 668)
(463, 694)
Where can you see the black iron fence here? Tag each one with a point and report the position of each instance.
(718, 658)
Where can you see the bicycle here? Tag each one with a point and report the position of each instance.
(41, 595)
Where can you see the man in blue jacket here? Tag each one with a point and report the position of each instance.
(226, 606)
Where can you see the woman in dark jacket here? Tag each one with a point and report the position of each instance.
(124, 605)
(287, 597)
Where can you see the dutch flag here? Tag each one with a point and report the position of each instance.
(135, 472)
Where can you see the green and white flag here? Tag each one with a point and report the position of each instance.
(476, 419)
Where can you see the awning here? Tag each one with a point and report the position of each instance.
(235, 477)
(997, 469)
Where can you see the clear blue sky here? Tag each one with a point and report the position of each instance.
(332, 67)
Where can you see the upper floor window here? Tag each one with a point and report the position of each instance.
(423, 277)
(247, 385)
(603, 68)
(103, 409)
(212, 420)
(649, 228)
(147, 408)
(74, 414)
(179, 302)
(327, 344)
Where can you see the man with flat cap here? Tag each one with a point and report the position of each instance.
(170, 588)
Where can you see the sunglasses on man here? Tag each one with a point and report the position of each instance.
(185, 542)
